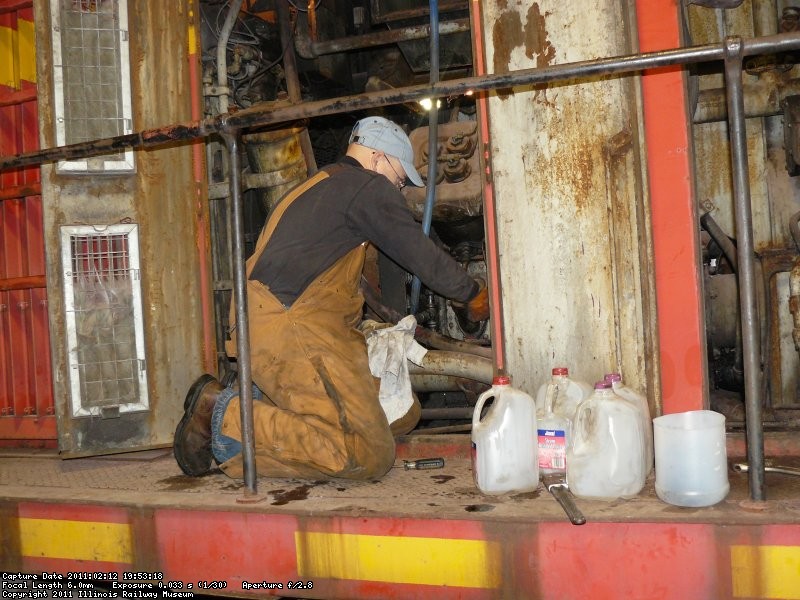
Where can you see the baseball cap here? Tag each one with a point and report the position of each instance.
(381, 134)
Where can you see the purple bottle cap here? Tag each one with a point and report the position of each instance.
(612, 377)
(602, 385)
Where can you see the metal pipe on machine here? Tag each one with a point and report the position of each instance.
(257, 116)
(734, 52)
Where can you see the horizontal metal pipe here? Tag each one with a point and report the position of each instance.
(456, 364)
(258, 116)
(429, 382)
(455, 412)
(308, 49)
(762, 98)
(465, 428)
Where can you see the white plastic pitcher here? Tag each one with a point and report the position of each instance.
(504, 444)
(691, 458)
(605, 460)
(638, 400)
(571, 392)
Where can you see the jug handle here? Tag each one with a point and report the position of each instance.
(476, 414)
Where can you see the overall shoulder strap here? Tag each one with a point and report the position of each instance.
(280, 209)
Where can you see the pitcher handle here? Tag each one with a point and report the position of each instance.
(476, 414)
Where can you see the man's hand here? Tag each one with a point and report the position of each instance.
(477, 309)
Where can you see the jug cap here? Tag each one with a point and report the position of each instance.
(501, 380)
(611, 377)
(560, 371)
(602, 385)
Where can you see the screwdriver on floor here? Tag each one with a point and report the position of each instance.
(422, 463)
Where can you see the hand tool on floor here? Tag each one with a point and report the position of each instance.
(557, 486)
(422, 463)
(744, 468)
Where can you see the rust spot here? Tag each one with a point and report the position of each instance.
(577, 166)
(536, 42)
(619, 144)
(506, 35)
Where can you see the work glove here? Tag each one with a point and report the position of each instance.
(476, 309)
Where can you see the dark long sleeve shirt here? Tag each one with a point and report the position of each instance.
(352, 206)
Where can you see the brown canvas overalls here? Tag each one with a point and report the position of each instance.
(321, 417)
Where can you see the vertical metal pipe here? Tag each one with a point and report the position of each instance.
(222, 53)
(242, 322)
(433, 132)
(492, 246)
(293, 80)
(746, 257)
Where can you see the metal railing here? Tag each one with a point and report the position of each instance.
(731, 52)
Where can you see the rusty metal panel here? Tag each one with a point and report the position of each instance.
(167, 203)
(573, 229)
(26, 391)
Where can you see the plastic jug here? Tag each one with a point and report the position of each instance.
(631, 395)
(570, 393)
(691, 458)
(504, 446)
(554, 437)
(606, 458)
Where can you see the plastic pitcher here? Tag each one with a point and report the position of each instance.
(504, 443)
(555, 434)
(606, 458)
(638, 400)
(691, 458)
(571, 392)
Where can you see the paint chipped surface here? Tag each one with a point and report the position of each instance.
(566, 179)
(537, 44)
(510, 38)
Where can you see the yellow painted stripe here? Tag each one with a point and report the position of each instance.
(766, 572)
(27, 51)
(77, 540)
(392, 559)
(8, 62)
(192, 41)
(192, 31)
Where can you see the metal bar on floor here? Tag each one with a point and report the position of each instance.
(734, 52)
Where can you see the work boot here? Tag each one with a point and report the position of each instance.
(192, 443)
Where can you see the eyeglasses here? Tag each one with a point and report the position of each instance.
(401, 181)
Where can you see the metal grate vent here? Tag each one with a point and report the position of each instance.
(92, 78)
(105, 333)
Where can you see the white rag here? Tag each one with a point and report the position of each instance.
(388, 350)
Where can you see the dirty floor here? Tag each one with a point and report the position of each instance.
(152, 478)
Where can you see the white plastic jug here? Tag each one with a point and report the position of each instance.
(504, 445)
(555, 434)
(691, 458)
(571, 392)
(606, 458)
(638, 400)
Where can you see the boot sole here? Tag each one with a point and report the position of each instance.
(189, 404)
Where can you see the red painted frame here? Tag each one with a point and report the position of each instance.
(26, 390)
(674, 223)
